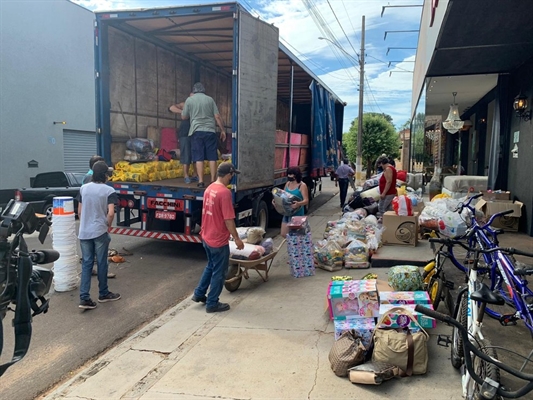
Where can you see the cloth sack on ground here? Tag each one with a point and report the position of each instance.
(401, 347)
(283, 202)
(347, 352)
(405, 278)
(328, 255)
(372, 373)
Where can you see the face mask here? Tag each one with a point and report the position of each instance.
(291, 178)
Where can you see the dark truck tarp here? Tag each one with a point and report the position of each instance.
(324, 136)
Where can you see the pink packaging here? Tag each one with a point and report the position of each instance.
(419, 297)
(357, 298)
(362, 326)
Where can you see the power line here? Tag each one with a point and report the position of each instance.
(372, 93)
(343, 31)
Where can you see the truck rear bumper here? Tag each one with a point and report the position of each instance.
(178, 237)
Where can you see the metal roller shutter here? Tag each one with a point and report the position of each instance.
(78, 148)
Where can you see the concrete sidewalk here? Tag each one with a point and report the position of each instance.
(272, 344)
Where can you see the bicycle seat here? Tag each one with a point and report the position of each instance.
(485, 295)
(522, 269)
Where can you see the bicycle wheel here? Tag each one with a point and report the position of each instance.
(434, 290)
(483, 369)
(457, 349)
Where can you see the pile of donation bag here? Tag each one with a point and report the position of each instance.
(375, 325)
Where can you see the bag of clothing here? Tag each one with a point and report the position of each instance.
(283, 202)
(347, 352)
(372, 373)
(401, 347)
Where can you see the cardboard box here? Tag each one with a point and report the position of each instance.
(362, 326)
(507, 222)
(496, 196)
(357, 298)
(400, 298)
(400, 230)
(391, 321)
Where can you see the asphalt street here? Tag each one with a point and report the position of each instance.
(157, 276)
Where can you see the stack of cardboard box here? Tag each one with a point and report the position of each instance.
(494, 202)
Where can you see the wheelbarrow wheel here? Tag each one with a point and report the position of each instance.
(233, 271)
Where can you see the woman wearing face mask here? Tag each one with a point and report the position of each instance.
(296, 187)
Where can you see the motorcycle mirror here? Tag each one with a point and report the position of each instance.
(43, 227)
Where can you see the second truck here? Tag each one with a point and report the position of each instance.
(277, 112)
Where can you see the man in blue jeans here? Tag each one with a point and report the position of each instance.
(218, 222)
(96, 210)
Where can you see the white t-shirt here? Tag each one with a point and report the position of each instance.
(94, 199)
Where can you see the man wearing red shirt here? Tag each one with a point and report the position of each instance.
(387, 185)
(218, 222)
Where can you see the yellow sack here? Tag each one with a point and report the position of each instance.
(172, 174)
(135, 177)
(122, 166)
(139, 168)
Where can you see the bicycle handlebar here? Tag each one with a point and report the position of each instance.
(469, 347)
(507, 250)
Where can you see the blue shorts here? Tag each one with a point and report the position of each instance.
(204, 146)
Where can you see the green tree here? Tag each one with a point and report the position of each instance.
(379, 136)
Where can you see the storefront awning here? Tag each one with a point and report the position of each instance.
(483, 37)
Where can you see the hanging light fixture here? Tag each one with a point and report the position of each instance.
(453, 123)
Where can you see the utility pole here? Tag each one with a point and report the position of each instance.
(359, 160)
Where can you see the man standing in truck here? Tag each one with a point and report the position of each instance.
(218, 222)
(203, 114)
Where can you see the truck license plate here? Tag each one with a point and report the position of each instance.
(166, 215)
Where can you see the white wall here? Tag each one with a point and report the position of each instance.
(46, 75)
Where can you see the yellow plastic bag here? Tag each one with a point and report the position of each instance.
(122, 166)
(135, 177)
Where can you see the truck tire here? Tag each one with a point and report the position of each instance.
(48, 210)
(261, 215)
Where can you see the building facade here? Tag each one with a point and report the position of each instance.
(481, 52)
(47, 109)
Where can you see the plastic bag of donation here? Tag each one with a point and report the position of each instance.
(140, 145)
(402, 205)
(283, 202)
(452, 224)
(249, 252)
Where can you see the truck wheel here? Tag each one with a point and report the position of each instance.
(48, 210)
(261, 215)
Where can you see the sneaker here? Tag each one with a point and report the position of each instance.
(188, 180)
(109, 297)
(194, 179)
(199, 299)
(87, 304)
(110, 275)
(220, 307)
(200, 185)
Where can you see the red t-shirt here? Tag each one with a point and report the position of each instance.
(218, 207)
(383, 182)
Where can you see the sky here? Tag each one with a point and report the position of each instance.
(301, 22)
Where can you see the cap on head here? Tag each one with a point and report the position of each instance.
(198, 87)
(100, 171)
(227, 168)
